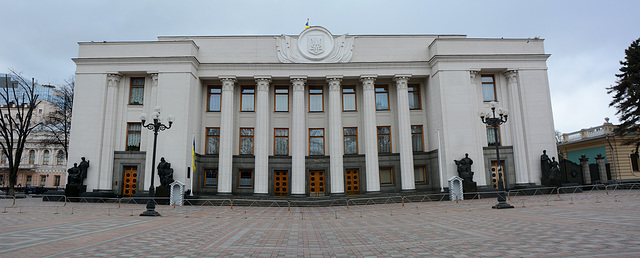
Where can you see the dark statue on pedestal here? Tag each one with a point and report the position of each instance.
(75, 181)
(464, 171)
(550, 170)
(165, 172)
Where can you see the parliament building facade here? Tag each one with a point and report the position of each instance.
(312, 114)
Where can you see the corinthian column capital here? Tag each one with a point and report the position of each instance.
(113, 79)
(263, 82)
(334, 82)
(228, 82)
(512, 76)
(154, 79)
(298, 82)
(368, 82)
(401, 81)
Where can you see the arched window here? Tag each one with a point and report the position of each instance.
(32, 157)
(45, 158)
(60, 158)
(4, 159)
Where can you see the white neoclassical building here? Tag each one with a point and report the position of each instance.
(311, 114)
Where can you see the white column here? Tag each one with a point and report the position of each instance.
(105, 178)
(335, 135)
(298, 143)
(225, 161)
(515, 122)
(149, 105)
(370, 133)
(404, 131)
(480, 128)
(261, 136)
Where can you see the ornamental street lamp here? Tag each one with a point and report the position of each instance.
(155, 127)
(495, 122)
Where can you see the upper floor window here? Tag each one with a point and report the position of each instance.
(133, 136)
(316, 141)
(414, 96)
(213, 140)
(281, 146)
(350, 140)
(349, 98)
(213, 102)
(45, 158)
(316, 100)
(382, 97)
(247, 98)
(136, 93)
(281, 99)
(60, 158)
(416, 138)
(4, 159)
(246, 141)
(488, 88)
(384, 139)
(32, 157)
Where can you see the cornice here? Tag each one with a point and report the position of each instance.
(141, 60)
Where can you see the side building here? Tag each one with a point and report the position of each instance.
(311, 114)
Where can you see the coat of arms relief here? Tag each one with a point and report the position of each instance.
(315, 45)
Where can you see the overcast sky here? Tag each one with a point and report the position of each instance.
(586, 39)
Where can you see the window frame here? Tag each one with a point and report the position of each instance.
(355, 98)
(240, 185)
(3, 159)
(247, 136)
(275, 140)
(29, 180)
(390, 174)
(421, 138)
(43, 180)
(131, 87)
(415, 92)
(424, 174)
(316, 137)
(495, 93)
(349, 136)
(60, 158)
(207, 136)
(275, 97)
(31, 157)
(314, 94)
(635, 162)
(385, 87)
(205, 176)
(126, 143)
(383, 135)
(56, 180)
(242, 95)
(45, 157)
(209, 94)
(499, 136)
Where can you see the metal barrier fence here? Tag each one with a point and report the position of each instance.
(312, 209)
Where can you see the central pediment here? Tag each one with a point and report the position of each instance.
(315, 45)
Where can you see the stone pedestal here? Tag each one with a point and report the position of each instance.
(586, 173)
(470, 186)
(74, 190)
(602, 168)
(162, 195)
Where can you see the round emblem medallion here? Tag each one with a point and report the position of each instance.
(315, 43)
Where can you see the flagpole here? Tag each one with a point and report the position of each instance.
(440, 167)
(193, 163)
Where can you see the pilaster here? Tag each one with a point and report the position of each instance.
(404, 131)
(225, 166)
(335, 135)
(370, 133)
(105, 179)
(519, 151)
(298, 143)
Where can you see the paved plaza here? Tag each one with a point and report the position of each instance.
(589, 224)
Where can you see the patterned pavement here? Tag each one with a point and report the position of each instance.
(570, 225)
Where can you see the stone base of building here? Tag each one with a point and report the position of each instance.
(470, 187)
(74, 190)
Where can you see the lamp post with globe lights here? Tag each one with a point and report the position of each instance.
(154, 126)
(495, 122)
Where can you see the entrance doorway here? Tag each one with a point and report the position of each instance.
(352, 181)
(130, 181)
(316, 183)
(494, 175)
(280, 183)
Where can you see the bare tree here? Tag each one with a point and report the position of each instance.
(57, 124)
(19, 99)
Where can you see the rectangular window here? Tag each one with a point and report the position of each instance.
(32, 157)
(316, 141)
(210, 177)
(350, 140)
(382, 97)
(416, 138)
(246, 141)
(213, 141)
(133, 136)
(45, 158)
(316, 99)
(281, 146)
(56, 181)
(28, 181)
(136, 93)
(1, 180)
(420, 174)
(349, 98)
(414, 96)
(213, 102)
(488, 88)
(634, 162)
(281, 99)
(43, 180)
(384, 139)
(60, 158)
(247, 98)
(491, 136)
(246, 178)
(386, 176)
(4, 159)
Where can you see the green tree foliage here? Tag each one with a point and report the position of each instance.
(626, 94)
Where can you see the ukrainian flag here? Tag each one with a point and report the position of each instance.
(306, 26)
(193, 155)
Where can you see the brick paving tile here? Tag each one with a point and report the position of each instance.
(572, 225)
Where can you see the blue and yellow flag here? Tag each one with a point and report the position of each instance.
(193, 154)
(306, 26)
